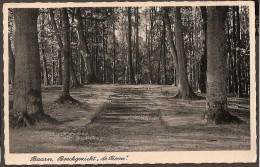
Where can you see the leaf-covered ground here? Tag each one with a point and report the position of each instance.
(130, 118)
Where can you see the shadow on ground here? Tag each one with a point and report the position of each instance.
(130, 118)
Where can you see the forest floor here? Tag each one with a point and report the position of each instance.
(127, 118)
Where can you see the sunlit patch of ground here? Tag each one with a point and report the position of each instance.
(130, 118)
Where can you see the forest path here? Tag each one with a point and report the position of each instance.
(124, 118)
(130, 121)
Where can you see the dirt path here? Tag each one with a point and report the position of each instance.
(129, 122)
(131, 118)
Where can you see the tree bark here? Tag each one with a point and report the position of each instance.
(170, 38)
(150, 43)
(131, 71)
(234, 72)
(114, 49)
(27, 90)
(11, 63)
(160, 59)
(104, 53)
(203, 60)
(216, 105)
(75, 83)
(52, 67)
(60, 44)
(238, 63)
(45, 72)
(137, 45)
(65, 95)
(184, 89)
(60, 68)
(82, 71)
(96, 49)
(74, 80)
(230, 63)
(54, 26)
(66, 53)
(165, 82)
(91, 77)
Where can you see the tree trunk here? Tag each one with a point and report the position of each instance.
(66, 53)
(27, 90)
(60, 44)
(159, 62)
(65, 96)
(131, 71)
(104, 53)
(96, 49)
(114, 49)
(52, 71)
(216, 105)
(234, 75)
(203, 60)
(230, 63)
(11, 63)
(91, 77)
(184, 89)
(60, 68)
(137, 45)
(150, 47)
(75, 83)
(170, 38)
(165, 82)
(82, 71)
(45, 72)
(238, 63)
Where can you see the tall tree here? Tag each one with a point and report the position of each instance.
(91, 77)
(42, 51)
(237, 49)
(131, 70)
(75, 83)
(45, 71)
(164, 53)
(137, 43)
(11, 63)
(203, 60)
(184, 89)
(52, 67)
(65, 95)
(104, 52)
(170, 37)
(27, 90)
(216, 105)
(114, 48)
(150, 45)
(60, 67)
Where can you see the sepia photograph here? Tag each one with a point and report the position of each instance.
(129, 82)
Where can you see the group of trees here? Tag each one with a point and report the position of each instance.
(184, 46)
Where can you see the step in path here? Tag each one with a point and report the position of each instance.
(128, 122)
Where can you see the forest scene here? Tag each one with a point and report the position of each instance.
(104, 79)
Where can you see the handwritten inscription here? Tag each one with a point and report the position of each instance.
(35, 158)
(76, 159)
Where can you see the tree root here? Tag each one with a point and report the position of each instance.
(67, 99)
(222, 117)
(24, 119)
